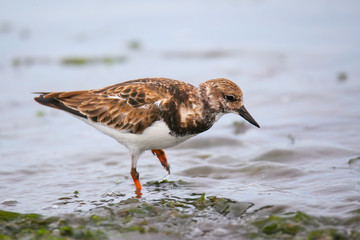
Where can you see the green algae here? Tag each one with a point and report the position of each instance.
(200, 202)
(8, 216)
(69, 61)
(167, 183)
(108, 60)
(223, 206)
(354, 160)
(134, 45)
(11, 216)
(27, 61)
(40, 113)
(228, 207)
(300, 225)
(176, 218)
(76, 61)
(34, 226)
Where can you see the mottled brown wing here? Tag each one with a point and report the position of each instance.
(124, 106)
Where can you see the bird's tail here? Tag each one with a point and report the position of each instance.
(51, 99)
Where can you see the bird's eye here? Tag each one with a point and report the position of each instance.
(230, 98)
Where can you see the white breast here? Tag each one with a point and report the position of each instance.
(157, 136)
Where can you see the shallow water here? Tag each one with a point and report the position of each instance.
(300, 77)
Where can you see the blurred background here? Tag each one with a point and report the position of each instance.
(298, 63)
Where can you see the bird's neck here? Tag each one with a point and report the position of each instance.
(211, 110)
(196, 116)
(211, 107)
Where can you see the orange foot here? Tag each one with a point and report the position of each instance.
(162, 157)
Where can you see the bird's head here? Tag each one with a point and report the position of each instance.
(227, 97)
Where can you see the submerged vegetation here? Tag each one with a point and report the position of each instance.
(92, 60)
(303, 226)
(176, 217)
(133, 45)
(69, 61)
(33, 226)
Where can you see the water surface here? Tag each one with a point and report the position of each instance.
(299, 73)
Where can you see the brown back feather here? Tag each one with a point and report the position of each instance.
(115, 105)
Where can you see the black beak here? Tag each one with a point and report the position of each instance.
(246, 115)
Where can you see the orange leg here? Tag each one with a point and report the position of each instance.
(162, 157)
(135, 177)
(135, 174)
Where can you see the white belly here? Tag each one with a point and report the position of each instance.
(157, 136)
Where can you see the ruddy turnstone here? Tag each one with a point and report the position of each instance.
(151, 113)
